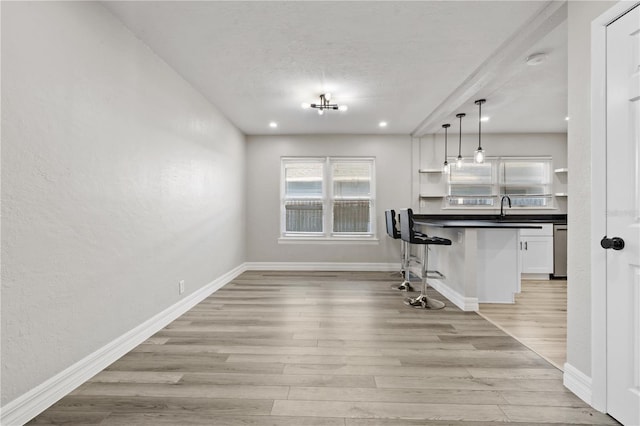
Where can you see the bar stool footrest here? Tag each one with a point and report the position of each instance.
(424, 302)
(405, 286)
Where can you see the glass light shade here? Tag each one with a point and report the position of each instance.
(320, 112)
(446, 168)
(479, 156)
(459, 162)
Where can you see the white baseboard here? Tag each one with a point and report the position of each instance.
(464, 303)
(321, 266)
(577, 382)
(27, 406)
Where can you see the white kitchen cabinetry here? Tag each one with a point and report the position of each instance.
(536, 251)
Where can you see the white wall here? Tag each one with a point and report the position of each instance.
(118, 180)
(580, 15)
(393, 184)
(429, 154)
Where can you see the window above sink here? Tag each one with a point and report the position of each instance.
(526, 180)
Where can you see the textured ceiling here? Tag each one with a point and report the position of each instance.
(393, 61)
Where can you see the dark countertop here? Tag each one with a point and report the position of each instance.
(474, 224)
(557, 219)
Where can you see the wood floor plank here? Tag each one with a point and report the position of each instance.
(315, 359)
(422, 422)
(432, 396)
(577, 415)
(469, 383)
(279, 380)
(76, 417)
(178, 418)
(333, 349)
(184, 390)
(542, 398)
(371, 370)
(389, 410)
(146, 404)
(136, 377)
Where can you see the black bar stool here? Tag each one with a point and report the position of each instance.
(392, 231)
(408, 234)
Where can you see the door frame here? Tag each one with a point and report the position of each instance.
(598, 207)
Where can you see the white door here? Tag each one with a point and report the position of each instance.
(623, 218)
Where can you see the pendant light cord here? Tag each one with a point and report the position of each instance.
(445, 142)
(446, 139)
(479, 102)
(480, 125)
(460, 135)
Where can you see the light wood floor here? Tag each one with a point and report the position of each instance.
(538, 318)
(324, 348)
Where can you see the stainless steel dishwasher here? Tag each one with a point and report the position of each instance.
(559, 251)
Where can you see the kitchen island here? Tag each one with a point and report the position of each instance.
(483, 263)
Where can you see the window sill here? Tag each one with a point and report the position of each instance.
(498, 208)
(326, 240)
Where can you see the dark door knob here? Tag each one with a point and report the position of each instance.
(615, 243)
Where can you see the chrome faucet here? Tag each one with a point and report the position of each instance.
(502, 213)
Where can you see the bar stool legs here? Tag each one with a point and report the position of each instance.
(422, 301)
(406, 285)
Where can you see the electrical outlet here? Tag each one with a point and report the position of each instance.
(181, 287)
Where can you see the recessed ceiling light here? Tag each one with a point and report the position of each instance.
(382, 124)
(273, 125)
(536, 59)
(485, 119)
(566, 118)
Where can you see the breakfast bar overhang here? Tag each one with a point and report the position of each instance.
(483, 263)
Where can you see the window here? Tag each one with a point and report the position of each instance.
(527, 181)
(328, 197)
(472, 184)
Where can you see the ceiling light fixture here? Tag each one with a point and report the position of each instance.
(445, 166)
(479, 155)
(382, 124)
(485, 119)
(459, 159)
(273, 125)
(325, 100)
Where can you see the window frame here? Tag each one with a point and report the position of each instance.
(328, 199)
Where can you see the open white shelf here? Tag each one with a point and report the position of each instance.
(432, 195)
(430, 171)
(562, 170)
(561, 194)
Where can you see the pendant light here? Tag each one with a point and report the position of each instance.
(445, 166)
(459, 159)
(479, 155)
